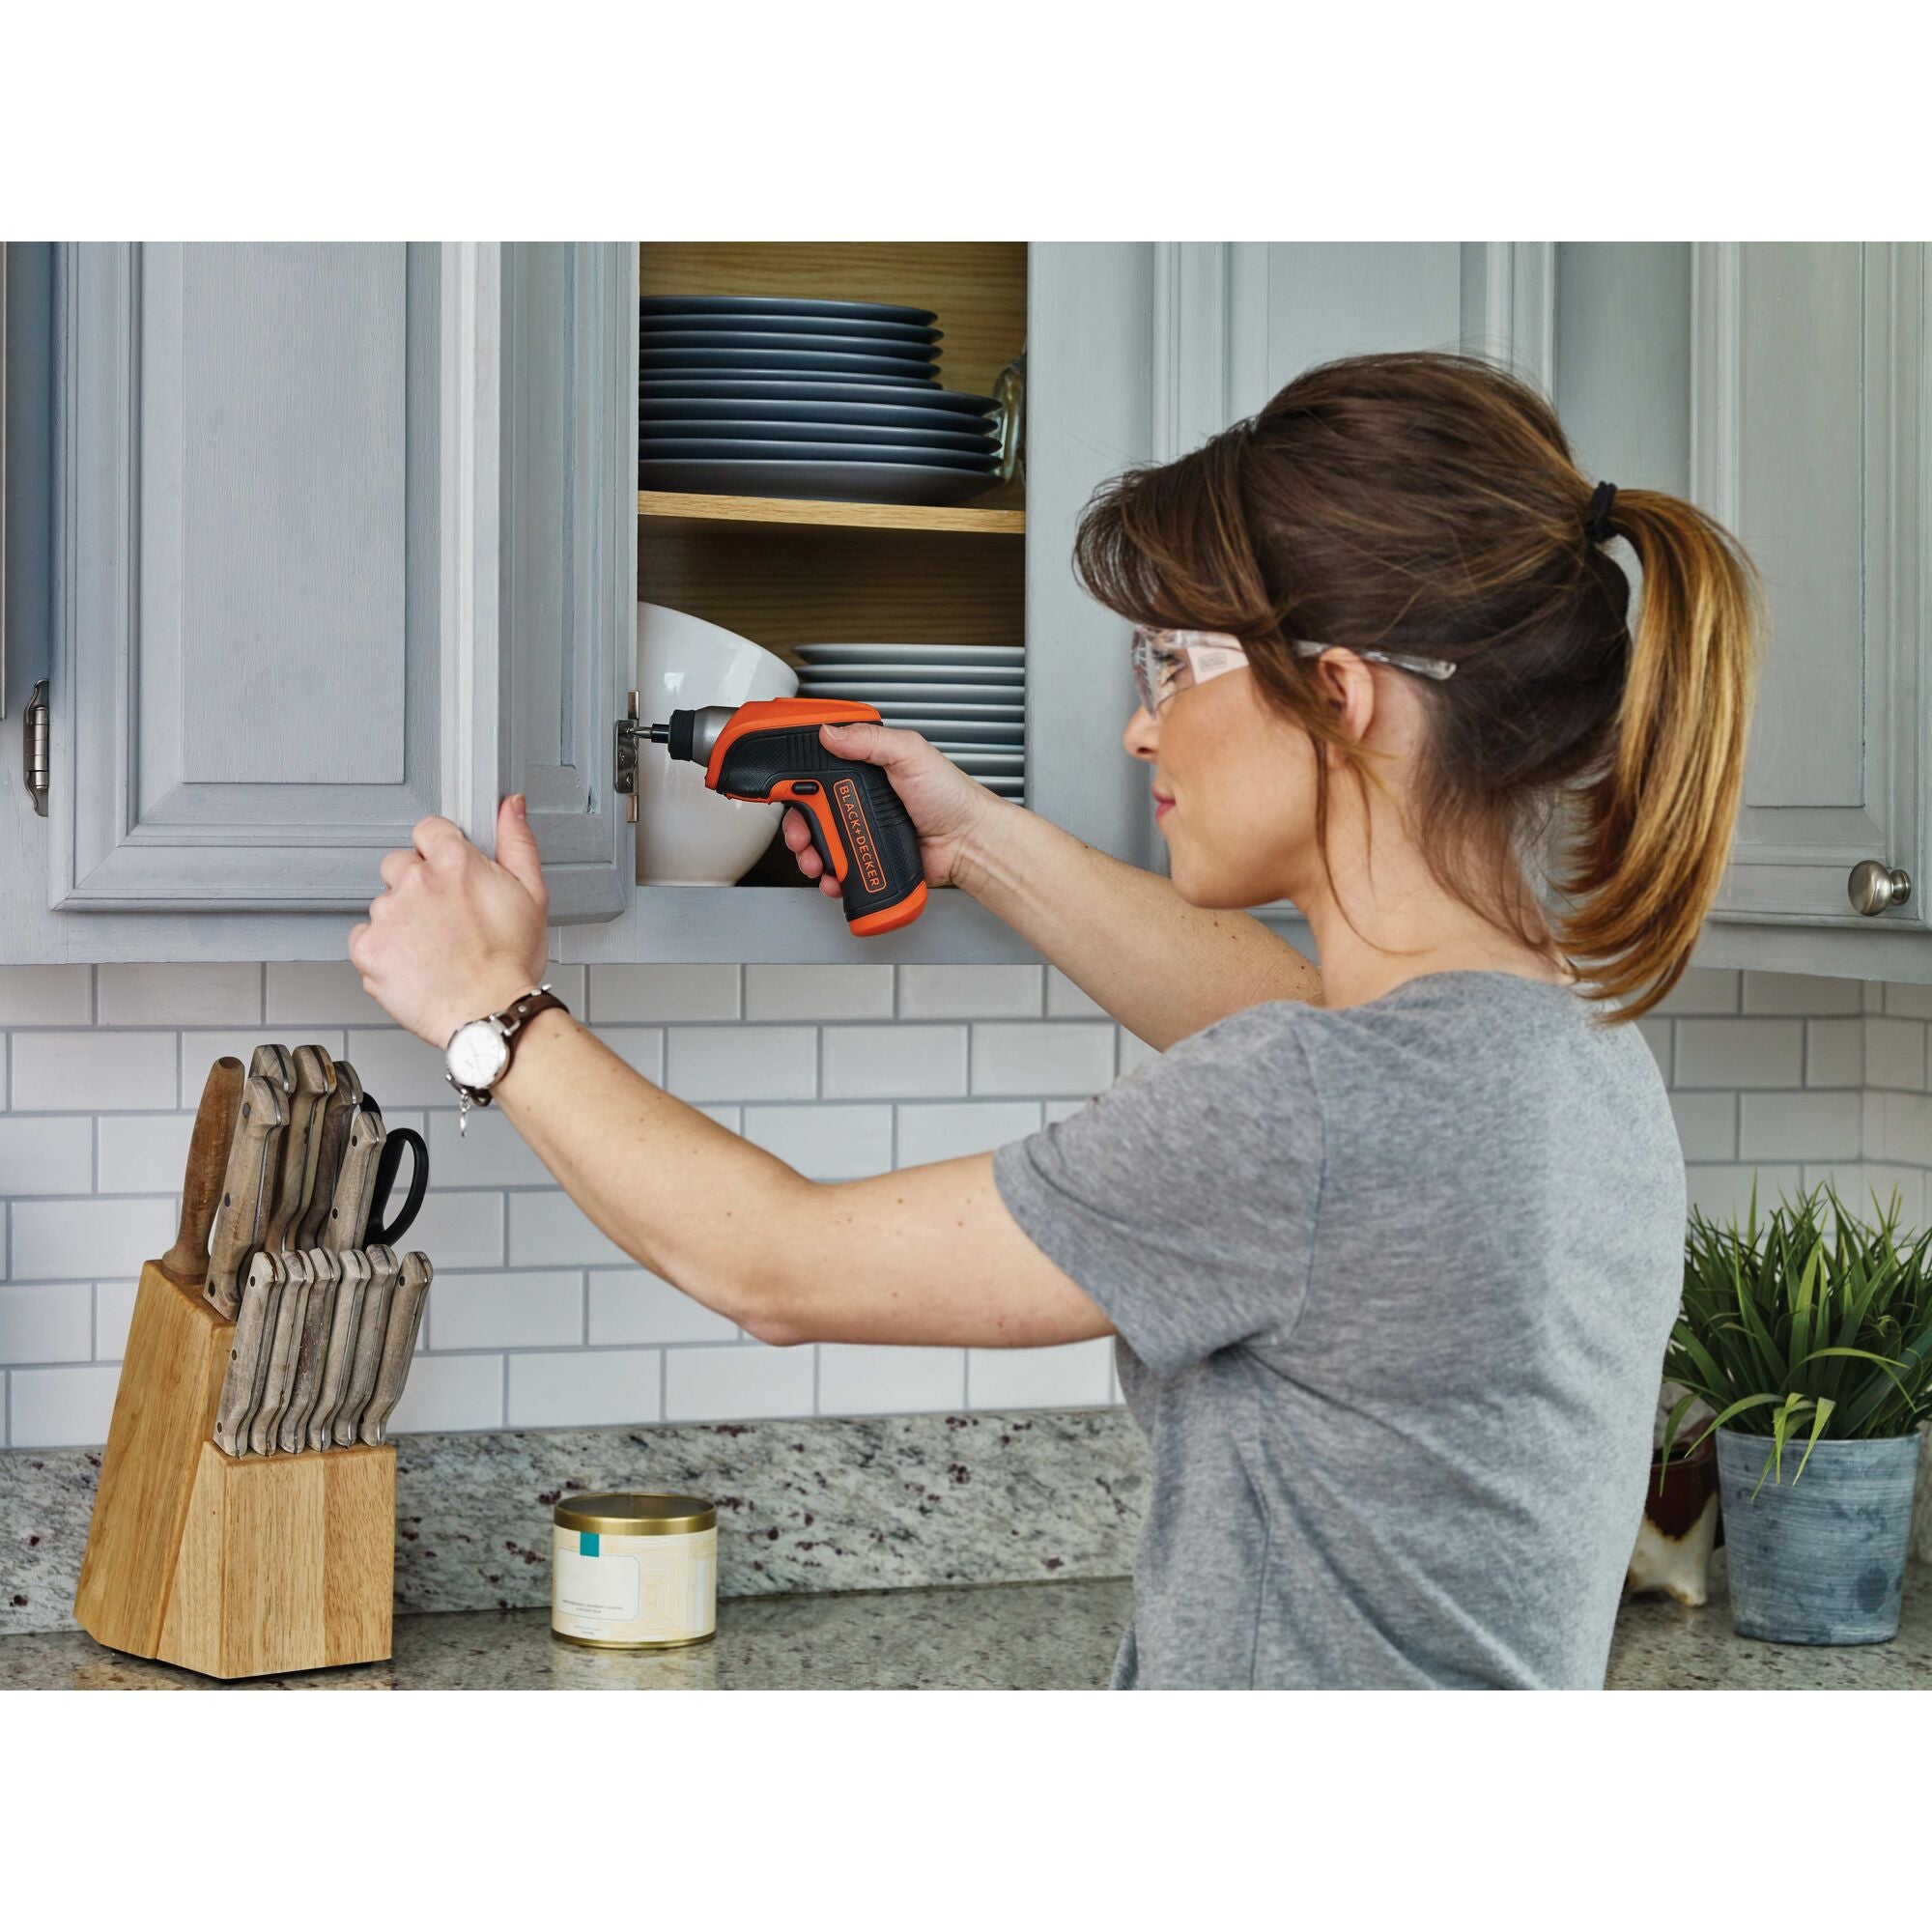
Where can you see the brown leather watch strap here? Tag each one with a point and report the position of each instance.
(514, 1018)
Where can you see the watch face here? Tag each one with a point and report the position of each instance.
(477, 1054)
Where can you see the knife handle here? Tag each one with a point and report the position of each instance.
(186, 1261)
(272, 1064)
(244, 1351)
(369, 1338)
(356, 1185)
(285, 1342)
(264, 1114)
(279, 1285)
(302, 1144)
(399, 1346)
(292, 1436)
(335, 1136)
(342, 1330)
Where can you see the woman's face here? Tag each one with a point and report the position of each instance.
(1233, 787)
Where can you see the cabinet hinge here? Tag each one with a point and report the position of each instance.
(624, 736)
(35, 754)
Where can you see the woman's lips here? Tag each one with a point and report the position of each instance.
(1162, 806)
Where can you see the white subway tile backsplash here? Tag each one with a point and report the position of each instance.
(1798, 1127)
(742, 1063)
(894, 1063)
(1908, 1003)
(1134, 1053)
(548, 1230)
(61, 1408)
(825, 1142)
(113, 1315)
(1740, 1053)
(1905, 1129)
(1703, 989)
(1800, 993)
(35, 996)
(46, 1321)
(1065, 1001)
(458, 1229)
(504, 1311)
(1895, 1054)
(1658, 1036)
(398, 1068)
(946, 1131)
(201, 1048)
(632, 1305)
(1707, 1126)
(843, 992)
(93, 1072)
(735, 1384)
(854, 1381)
(49, 1156)
(142, 1154)
(641, 1049)
(585, 1388)
(1834, 1052)
(1072, 1057)
(88, 1239)
(970, 992)
(671, 993)
(178, 996)
(1073, 1375)
(328, 993)
(1722, 1193)
(489, 1152)
(451, 1392)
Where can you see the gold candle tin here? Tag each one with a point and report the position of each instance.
(633, 1572)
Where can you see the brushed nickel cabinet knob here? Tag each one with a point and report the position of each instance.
(1873, 886)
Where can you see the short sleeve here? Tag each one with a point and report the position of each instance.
(1183, 1200)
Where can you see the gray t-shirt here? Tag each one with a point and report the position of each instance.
(1393, 1285)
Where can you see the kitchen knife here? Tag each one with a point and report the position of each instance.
(278, 1286)
(336, 1117)
(326, 1271)
(245, 1355)
(399, 1345)
(356, 1184)
(302, 1144)
(341, 1352)
(281, 1354)
(369, 1338)
(263, 1117)
(186, 1261)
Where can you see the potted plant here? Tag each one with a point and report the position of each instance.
(1813, 1344)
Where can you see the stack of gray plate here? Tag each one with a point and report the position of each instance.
(970, 699)
(777, 396)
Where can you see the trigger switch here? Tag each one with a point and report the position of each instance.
(804, 788)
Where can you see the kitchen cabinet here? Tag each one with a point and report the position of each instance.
(335, 536)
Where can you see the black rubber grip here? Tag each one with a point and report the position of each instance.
(881, 848)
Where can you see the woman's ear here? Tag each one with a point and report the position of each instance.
(1349, 686)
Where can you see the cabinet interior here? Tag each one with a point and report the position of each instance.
(787, 573)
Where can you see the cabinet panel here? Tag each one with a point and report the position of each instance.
(251, 659)
(1805, 441)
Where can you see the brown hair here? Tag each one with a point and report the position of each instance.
(1429, 504)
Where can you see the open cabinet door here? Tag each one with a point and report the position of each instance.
(568, 555)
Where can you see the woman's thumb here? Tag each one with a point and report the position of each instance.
(869, 744)
(517, 846)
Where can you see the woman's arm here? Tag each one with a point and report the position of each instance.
(1161, 967)
(924, 1256)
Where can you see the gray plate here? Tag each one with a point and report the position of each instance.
(933, 699)
(920, 354)
(655, 427)
(953, 730)
(851, 311)
(689, 323)
(713, 386)
(1006, 655)
(955, 670)
(702, 448)
(781, 362)
(833, 482)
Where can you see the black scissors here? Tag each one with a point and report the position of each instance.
(382, 1232)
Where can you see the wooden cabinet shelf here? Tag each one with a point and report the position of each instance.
(677, 507)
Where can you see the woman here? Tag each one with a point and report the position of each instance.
(1391, 1251)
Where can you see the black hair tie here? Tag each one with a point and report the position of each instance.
(1597, 521)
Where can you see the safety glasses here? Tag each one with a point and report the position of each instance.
(1167, 663)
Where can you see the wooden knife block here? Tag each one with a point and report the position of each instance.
(233, 1567)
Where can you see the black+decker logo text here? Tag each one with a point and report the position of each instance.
(859, 834)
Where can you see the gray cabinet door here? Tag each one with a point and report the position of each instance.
(1807, 440)
(334, 551)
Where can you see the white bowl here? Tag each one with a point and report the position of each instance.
(688, 835)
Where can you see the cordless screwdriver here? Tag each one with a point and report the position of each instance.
(768, 749)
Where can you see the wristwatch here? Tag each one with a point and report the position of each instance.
(481, 1051)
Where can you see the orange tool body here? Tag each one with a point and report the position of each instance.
(769, 749)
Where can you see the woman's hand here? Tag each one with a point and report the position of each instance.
(456, 935)
(950, 812)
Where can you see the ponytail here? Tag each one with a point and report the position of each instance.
(1655, 825)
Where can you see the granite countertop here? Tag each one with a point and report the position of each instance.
(1021, 1637)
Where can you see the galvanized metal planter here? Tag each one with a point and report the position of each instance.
(1820, 1560)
